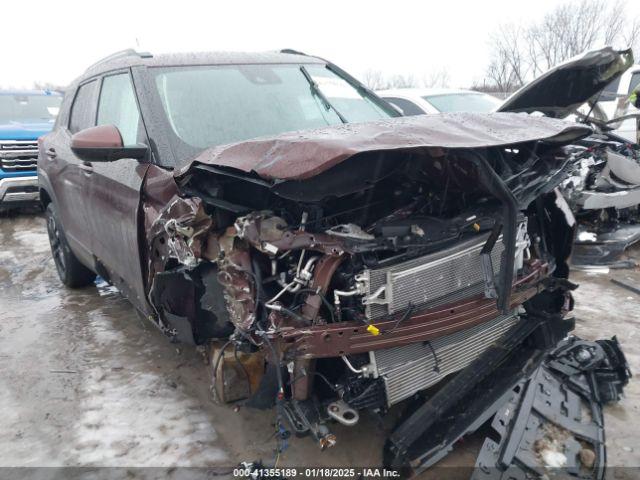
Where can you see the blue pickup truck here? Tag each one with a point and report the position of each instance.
(24, 116)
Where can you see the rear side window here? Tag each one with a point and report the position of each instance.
(408, 108)
(117, 106)
(463, 102)
(63, 116)
(83, 108)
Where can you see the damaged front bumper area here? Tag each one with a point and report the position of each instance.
(545, 397)
(336, 275)
(552, 423)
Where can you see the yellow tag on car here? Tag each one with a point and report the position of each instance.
(373, 330)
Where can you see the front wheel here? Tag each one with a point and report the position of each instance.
(71, 272)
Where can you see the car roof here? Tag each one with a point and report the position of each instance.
(131, 58)
(30, 92)
(423, 92)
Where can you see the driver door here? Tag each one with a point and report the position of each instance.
(113, 200)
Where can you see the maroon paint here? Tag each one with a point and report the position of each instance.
(304, 154)
(102, 136)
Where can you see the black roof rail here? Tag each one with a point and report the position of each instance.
(293, 52)
(129, 52)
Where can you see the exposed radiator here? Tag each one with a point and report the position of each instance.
(431, 280)
(411, 368)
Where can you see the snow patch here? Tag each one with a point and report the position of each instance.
(553, 459)
(587, 236)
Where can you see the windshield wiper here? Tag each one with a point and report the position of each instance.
(318, 93)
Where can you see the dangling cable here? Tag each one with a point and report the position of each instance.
(436, 367)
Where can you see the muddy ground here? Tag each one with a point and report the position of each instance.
(85, 381)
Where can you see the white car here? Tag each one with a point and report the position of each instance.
(613, 102)
(418, 101)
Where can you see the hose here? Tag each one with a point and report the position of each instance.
(214, 376)
(291, 313)
(281, 431)
(276, 360)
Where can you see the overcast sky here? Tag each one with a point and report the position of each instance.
(56, 41)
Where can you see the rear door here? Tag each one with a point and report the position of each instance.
(113, 198)
(66, 172)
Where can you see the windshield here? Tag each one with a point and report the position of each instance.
(216, 105)
(463, 102)
(28, 108)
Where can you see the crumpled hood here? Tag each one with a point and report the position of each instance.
(304, 154)
(561, 90)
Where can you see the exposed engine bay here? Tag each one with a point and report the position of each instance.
(372, 281)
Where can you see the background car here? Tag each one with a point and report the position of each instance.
(418, 101)
(613, 102)
(24, 116)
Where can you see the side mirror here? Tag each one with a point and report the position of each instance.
(104, 144)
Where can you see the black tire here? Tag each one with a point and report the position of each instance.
(71, 272)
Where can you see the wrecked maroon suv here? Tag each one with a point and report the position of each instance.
(333, 259)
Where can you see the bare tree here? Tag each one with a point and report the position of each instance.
(374, 79)
(439, 78)
(631, 36)
(401, 81)
(573, 27)
(501, 74)
(510, 54)
(521, 52)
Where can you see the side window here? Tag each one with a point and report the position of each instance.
(117, 106)
(83, 108)
(63, 115)
(635, 82)
(408, 108)
(610, 92)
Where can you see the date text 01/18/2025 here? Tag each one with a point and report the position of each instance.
(252, 471)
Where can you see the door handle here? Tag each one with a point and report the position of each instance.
(51, 153)
(86, 167)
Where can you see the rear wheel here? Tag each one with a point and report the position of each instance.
(71, 272)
